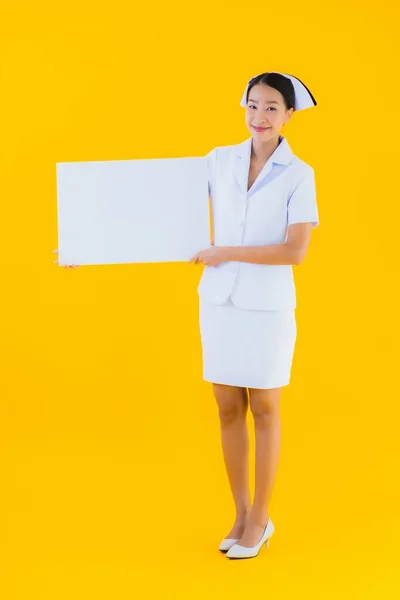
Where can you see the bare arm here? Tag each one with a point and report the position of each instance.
(292, 252)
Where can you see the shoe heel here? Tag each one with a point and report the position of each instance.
(267, 543)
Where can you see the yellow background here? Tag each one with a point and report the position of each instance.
(113, 484)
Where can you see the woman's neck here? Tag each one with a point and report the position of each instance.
(261, 151)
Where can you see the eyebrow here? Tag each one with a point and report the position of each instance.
(266, 101)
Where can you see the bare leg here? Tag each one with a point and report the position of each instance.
(233, 404)
(264, 405)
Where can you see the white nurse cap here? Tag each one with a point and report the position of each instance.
(303, 96)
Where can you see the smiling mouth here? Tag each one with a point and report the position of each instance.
(261, 128)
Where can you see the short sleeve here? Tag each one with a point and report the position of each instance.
(302, 203)
(211, 161)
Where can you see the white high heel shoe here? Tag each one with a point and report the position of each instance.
(227, 543)
(237, 551)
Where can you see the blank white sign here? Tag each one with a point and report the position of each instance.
(130, 211)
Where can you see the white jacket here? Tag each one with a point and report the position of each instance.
(283, 193)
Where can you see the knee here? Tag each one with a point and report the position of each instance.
(230, 413)
(231, 406)
(264, 404)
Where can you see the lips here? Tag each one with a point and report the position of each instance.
(261, 129)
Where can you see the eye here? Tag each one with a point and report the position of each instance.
(269, 107)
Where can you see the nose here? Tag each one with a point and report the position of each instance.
(260, 121)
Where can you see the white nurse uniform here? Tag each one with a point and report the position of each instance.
(247, 311)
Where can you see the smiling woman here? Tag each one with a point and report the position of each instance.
(264, 208)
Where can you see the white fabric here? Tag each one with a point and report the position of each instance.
(303, 98)
(247, 348)
(283, 194)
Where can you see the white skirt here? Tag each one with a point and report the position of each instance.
(247, 348)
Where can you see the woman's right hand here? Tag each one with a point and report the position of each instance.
(65, 266)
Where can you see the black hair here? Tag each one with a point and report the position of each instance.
(277, 81)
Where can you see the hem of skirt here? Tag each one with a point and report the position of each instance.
(249, 385)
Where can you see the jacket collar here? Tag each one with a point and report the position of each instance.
(281, 156)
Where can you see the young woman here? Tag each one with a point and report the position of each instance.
(263, 210)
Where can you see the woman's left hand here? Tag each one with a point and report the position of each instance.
(210, 256)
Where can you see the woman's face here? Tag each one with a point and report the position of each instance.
(266, 112)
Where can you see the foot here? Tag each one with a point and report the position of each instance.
(252, 533)
(238, 528)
